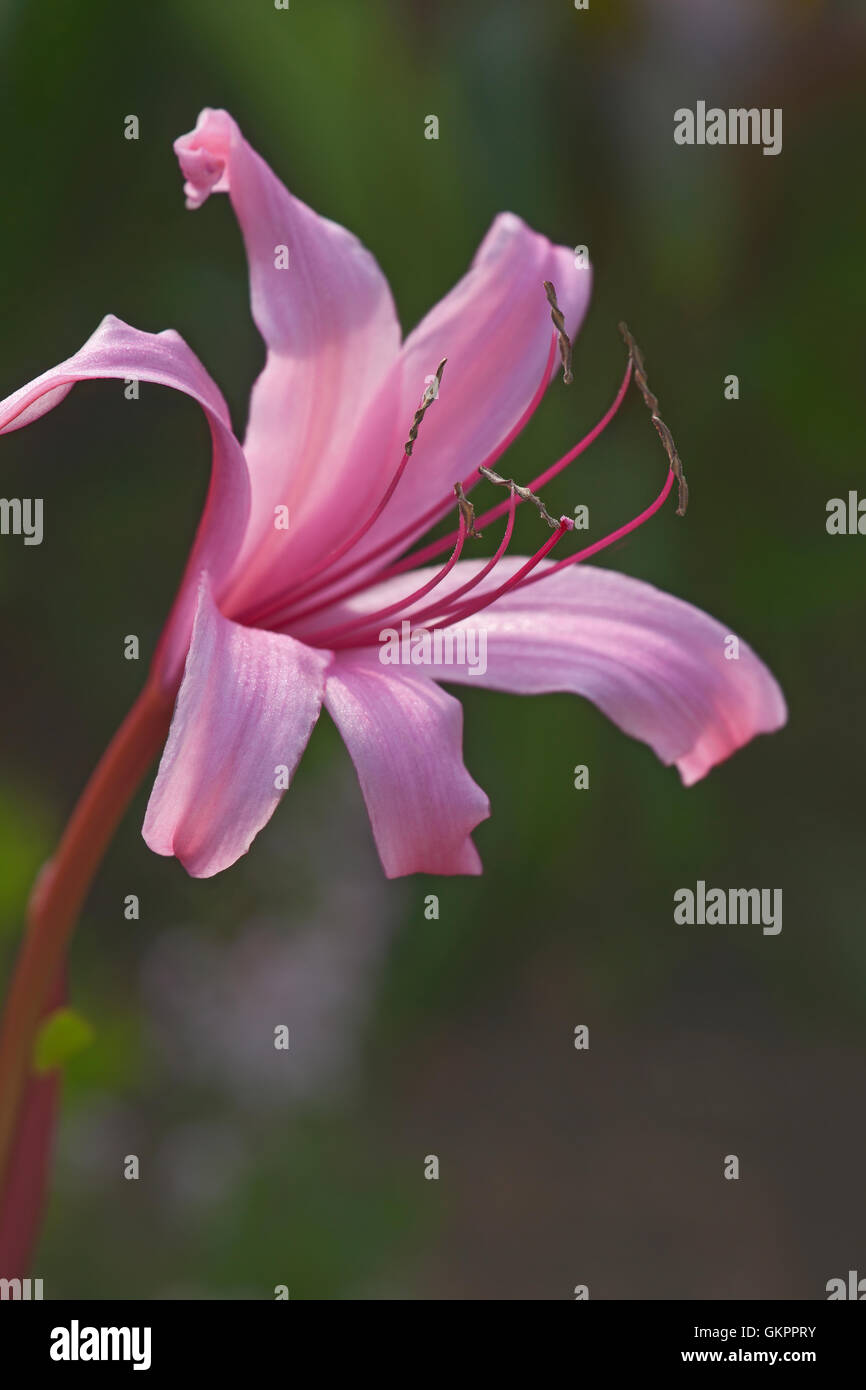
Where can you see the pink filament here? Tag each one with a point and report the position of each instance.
(339, 551)
(471, 480)
(422, 523)
(452, 599)
(356, 632)
(436, 547)
(324, 639)
(524, 576)
(566, 524)
(614, 535)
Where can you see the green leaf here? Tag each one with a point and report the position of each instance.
(61, 1036)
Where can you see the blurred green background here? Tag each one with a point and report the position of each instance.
(454, 1037)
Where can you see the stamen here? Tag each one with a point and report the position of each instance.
(431, 391)
(675, 474)
(434, 513)
(608, 540)
(559, 324)
(453, 599)
(565, 524)
(269, 610)
(651, 402)
(523, 493)
(422, 523)
(468, 523)
(331, 637)
(434, 548)
(467, 511)
(524, 575)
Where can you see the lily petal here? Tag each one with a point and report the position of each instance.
(404, 735)
(116, 350)
(652, 663)
(247, 705)
(328, 320)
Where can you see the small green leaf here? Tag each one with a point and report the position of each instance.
(61, 1036)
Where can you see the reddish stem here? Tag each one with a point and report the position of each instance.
(54, 907)
(29, 1162)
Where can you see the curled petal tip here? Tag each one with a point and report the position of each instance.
(202, 155)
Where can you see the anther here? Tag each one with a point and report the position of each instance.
(559, 324)
(467, 511)
(522, 492)
(431, 391)
(652, 405)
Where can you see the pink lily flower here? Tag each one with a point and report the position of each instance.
(296, 568)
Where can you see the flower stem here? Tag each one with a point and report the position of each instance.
(59, 894)
(27, 1172)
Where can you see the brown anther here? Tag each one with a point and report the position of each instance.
(559, 324)
(523, 493)
(652, 405)
(467, 511)
(431, 391)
